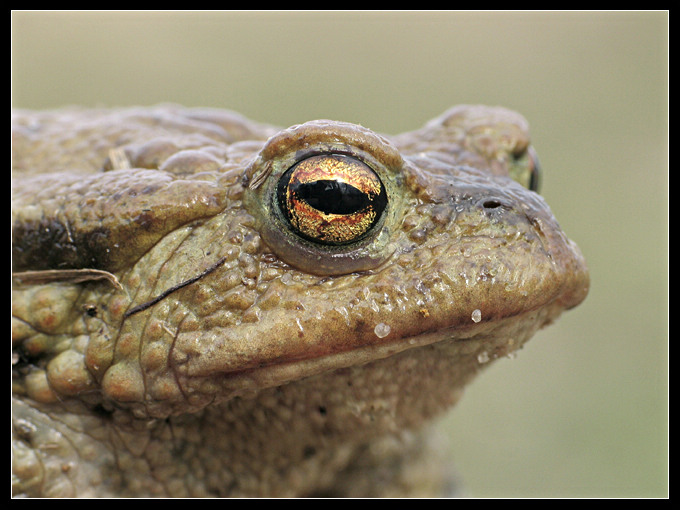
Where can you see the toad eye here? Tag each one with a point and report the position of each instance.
(331, 198)
(526, 169)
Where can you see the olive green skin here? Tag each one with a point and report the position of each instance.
(173, 337)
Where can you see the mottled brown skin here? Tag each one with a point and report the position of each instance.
(178, 340)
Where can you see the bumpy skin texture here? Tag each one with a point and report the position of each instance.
(171, 337)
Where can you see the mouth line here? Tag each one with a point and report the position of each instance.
(508, 331)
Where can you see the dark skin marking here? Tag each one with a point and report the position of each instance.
(52, 244)
(166, 293)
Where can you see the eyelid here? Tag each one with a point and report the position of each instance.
(314, 138)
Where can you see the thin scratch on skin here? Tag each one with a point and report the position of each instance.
(118, 158)
(166, 293)
(168, 331)
(260, 178)
(66, 275)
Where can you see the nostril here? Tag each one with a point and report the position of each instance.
(491, 204)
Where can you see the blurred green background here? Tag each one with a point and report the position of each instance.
(583, 409)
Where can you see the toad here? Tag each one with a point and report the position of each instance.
(203, 305)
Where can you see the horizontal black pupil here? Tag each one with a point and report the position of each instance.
(331, 197)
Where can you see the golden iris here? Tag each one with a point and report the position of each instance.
(331, 198)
